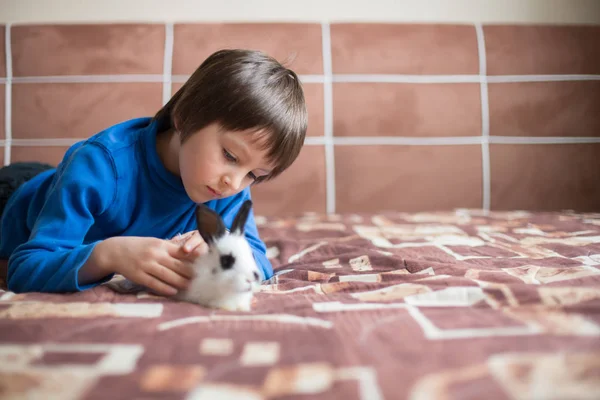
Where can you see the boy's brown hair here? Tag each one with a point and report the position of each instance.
(243, 90)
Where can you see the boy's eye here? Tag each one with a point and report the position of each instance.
(229, 156)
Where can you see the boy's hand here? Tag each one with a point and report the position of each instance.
(160, 265)
(191, 244)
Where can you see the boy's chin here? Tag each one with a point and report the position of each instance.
(204, 195)
(198, 197)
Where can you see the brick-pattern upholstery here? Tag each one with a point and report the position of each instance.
(403, 117)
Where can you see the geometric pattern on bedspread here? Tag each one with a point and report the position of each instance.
(451, 305)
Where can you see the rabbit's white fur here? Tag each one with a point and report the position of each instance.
(232, 287)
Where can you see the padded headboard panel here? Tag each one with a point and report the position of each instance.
(408, 117)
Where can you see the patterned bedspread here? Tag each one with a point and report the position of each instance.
(456, 305)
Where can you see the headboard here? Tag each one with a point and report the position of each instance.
(409, 117)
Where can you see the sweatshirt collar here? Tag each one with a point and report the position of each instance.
(159, 175)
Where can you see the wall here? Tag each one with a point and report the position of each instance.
(484, 11)
(407, 116)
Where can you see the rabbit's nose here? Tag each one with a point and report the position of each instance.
(256, 277)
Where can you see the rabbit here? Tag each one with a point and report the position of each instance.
(227, 276)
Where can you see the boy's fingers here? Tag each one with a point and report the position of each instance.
(181, 267)
(157, 286)
(172, 248)
(180, 239)
(199, 250)
(169, 277)
(193, 243)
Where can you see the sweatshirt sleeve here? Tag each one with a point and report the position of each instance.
(258, 248)
(228, 209)
(84, 187)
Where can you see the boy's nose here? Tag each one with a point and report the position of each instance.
(232, 182)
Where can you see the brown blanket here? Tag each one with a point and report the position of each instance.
(392, 306)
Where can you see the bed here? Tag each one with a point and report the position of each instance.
(446, 305)
(460, 303)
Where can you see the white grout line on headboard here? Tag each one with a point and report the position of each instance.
(8, 96)
(167, 63)
(372, 141)
(395, 78)
(406, 141)
(45, 142)
(339, 78)
(400, 78)
(312, 78)
(543, 140)
(541, 78)
(328, 119)
(121, 78)
(485, 119)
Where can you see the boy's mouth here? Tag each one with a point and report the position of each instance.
(214, 192)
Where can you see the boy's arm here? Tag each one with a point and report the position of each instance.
(258, 247)
(84, 187)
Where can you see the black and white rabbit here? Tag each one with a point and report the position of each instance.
(227, 276)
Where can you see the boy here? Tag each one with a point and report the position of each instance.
(110, 204)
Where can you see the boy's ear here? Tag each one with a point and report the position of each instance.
(176, 124)
(210, 224)
(240, 219)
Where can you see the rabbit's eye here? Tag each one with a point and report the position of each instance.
(227, 261)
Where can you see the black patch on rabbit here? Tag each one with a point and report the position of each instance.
(227, 261)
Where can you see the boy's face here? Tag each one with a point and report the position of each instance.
(214, 163)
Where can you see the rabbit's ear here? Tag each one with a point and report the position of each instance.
(239, 221)
(210, 224)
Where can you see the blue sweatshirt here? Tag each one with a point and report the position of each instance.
(112, 184)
